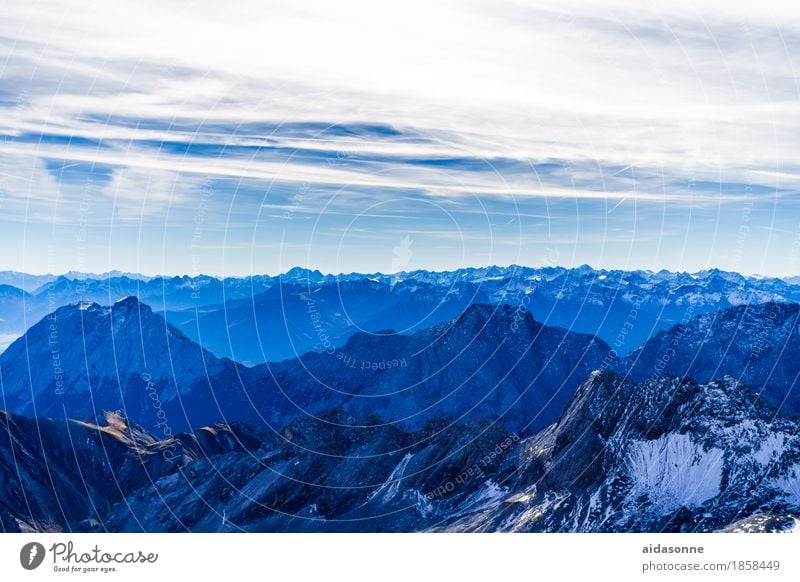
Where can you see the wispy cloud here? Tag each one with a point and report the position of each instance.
(475, 105)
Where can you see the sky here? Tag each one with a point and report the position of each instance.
(250, 137)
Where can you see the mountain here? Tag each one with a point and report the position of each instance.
(14, 310)
(306, 310)
(326, 474)
(263, 318)
(494, 362)
(60, 472)
(757, 344)
(24, 281)
(667, 455)
(17, 313)
(86, 358)
(55, 471)
(489, 362)
(664, 455)
(290, 319)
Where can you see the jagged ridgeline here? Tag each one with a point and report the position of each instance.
(492, 362)
(270, 318)
(499, 404)
(666, 455)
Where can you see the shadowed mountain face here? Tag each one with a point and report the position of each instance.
(320, 474)
(669, 455)
(291, 319)
(490, 362)
(757, 344)
(86, 358)
(60, 472)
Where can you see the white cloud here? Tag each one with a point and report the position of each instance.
(678, 92)
(138, 193)
(691, 85)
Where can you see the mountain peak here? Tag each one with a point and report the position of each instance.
(301, 273)
(480, 314)
(131, 302)
(88, 358)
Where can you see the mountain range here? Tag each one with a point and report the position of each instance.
(489, 362)
(470, 413)
(263, 318)
(666, 455)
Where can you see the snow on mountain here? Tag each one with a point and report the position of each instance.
(83, 359)
(754, 343)
(665, 455)
(672, 471)
(669, 455)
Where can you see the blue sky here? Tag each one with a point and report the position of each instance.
(244, 139)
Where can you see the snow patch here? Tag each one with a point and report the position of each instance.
(487, 496)
(423, 504)
(389, 489)
(790, 484)
(771, 447)
(672, 471)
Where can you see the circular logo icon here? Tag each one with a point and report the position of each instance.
(31, 555)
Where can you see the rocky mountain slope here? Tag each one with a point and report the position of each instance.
(493, 362)
(490, 362)
(757, 344)
(669, 455)
(85, 358)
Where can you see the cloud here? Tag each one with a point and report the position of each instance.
(138, 193)
(471, 104)
(657, 86)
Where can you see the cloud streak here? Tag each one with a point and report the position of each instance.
(482, 107)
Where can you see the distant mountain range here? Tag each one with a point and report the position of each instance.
(270, 318)
(409, 408)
